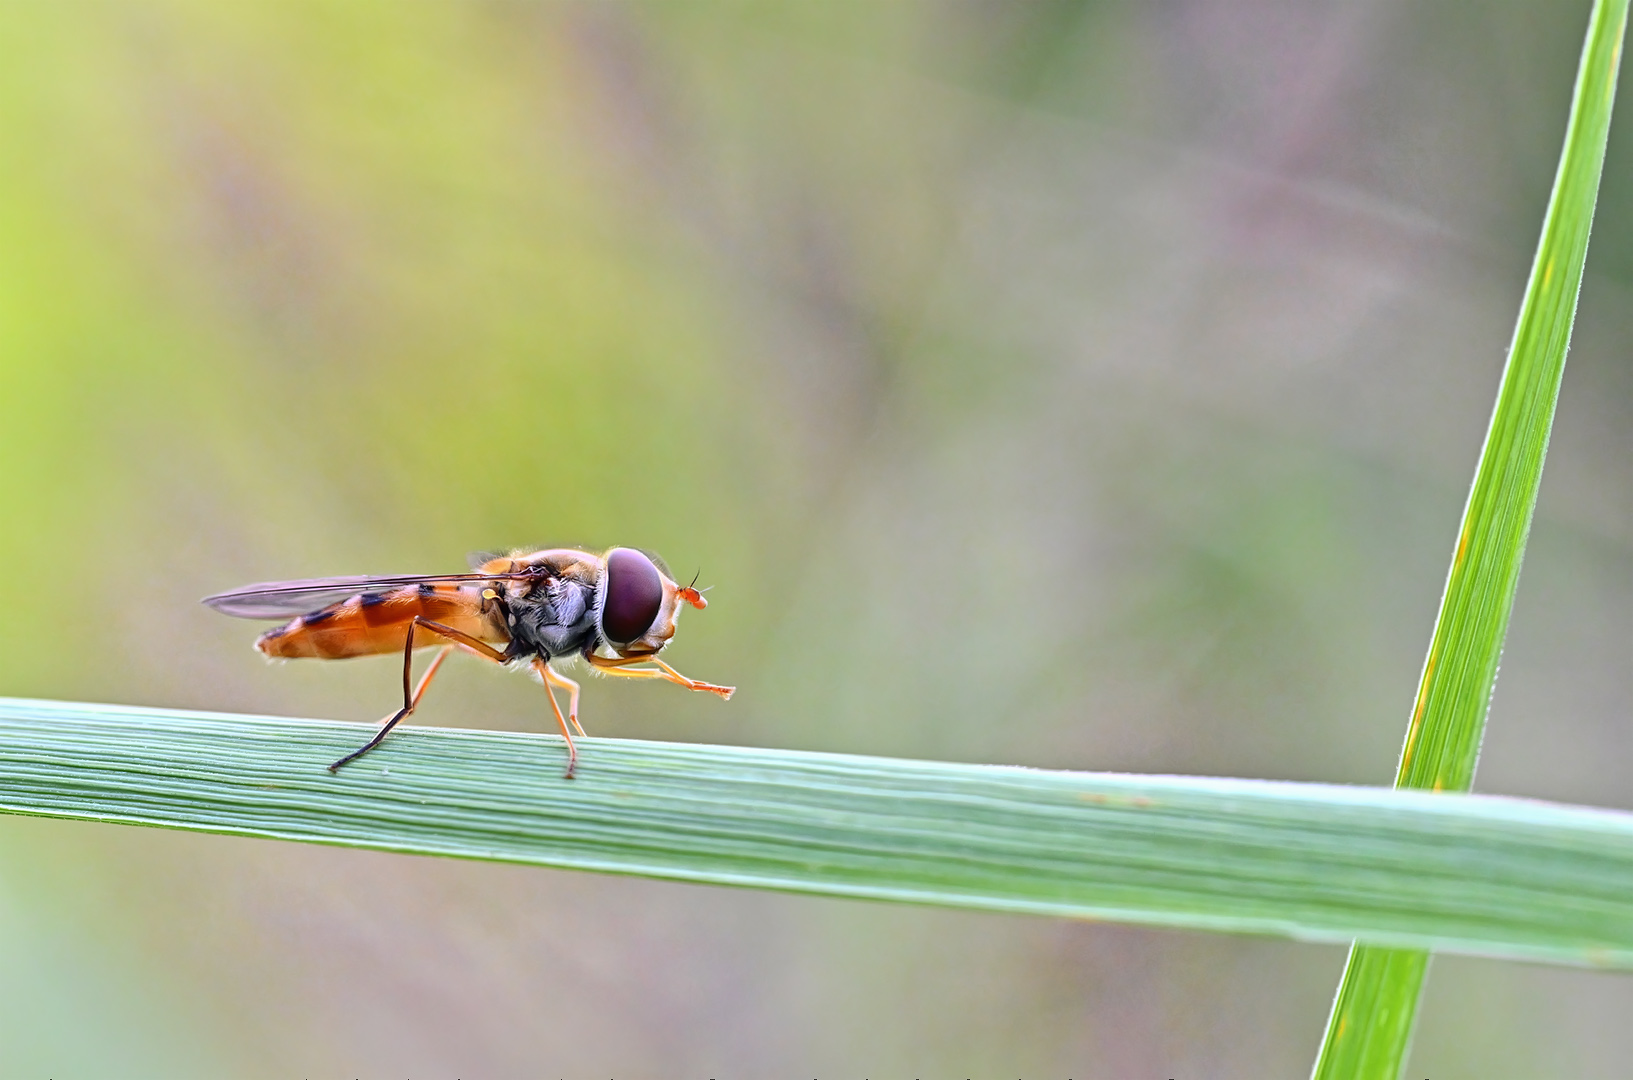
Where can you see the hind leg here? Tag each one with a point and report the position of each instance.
(411, 698)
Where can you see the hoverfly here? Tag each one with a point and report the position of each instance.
(529, 607)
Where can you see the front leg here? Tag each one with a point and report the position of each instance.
(620, 666)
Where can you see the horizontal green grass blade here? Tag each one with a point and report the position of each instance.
(1370, 1028)
(1473, 874)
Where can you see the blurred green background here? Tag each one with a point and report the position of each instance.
(1077, 385)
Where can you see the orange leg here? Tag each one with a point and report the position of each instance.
(619, 666)
(412, 698)
(430, 672)
(552, 679)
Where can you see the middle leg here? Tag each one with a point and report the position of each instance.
(551, 679)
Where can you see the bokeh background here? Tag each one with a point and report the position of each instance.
(1083, 385)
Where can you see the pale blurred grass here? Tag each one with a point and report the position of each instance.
(1082, 386)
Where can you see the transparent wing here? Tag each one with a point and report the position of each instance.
(283, 599)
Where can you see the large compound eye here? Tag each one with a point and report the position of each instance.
(634, 594)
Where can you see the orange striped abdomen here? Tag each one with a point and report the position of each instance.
(378, 622)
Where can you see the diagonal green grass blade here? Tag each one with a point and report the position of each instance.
(1369, 1031)
(1475, 874)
